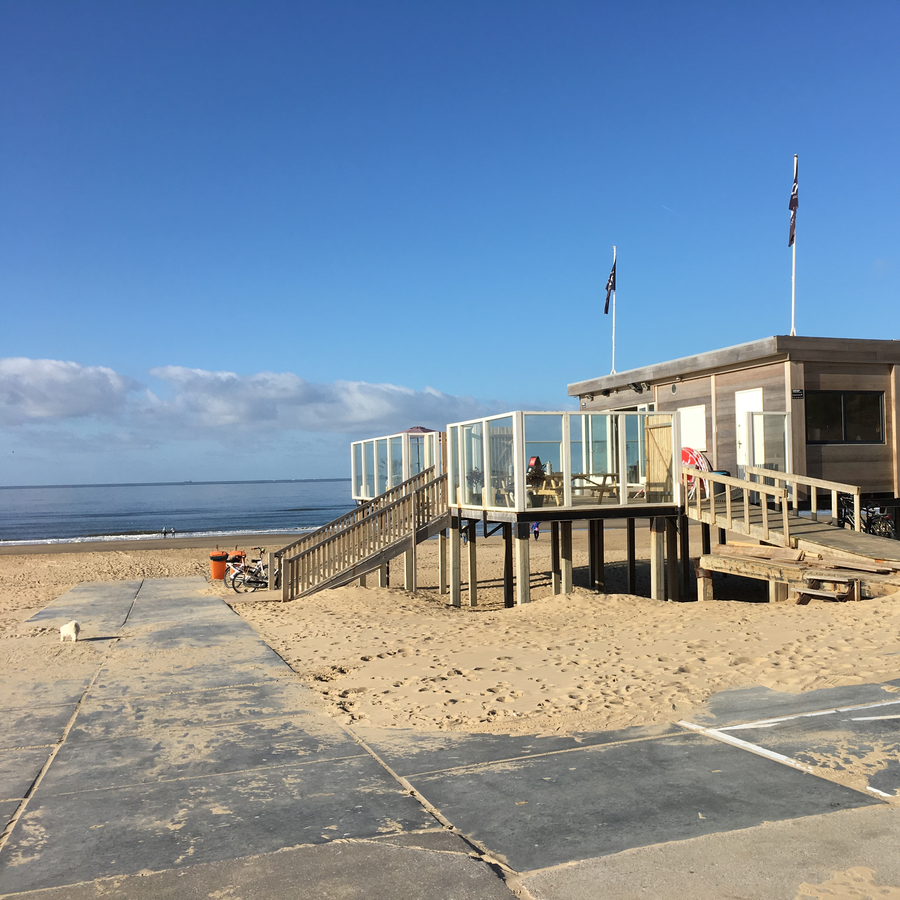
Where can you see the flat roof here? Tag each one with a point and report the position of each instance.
(771, 349)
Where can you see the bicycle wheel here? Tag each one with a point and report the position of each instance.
(881, 526)
(243, 583)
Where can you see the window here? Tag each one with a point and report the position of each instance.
(693, 426)
(844, 417)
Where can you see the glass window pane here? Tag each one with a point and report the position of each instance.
(863, 418)
(382, 467)
(824, 416)
(369, 490)
(357, 470)
(416, 455)
(453, 464)
(396, 460)
(500, 471)
(473, 464)
(543, 460)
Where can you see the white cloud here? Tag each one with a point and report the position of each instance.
(222, 406)
(41, 390)
(273, 401)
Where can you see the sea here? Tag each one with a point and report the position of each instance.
(72, 513)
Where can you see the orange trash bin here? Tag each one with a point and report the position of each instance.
(217, 564)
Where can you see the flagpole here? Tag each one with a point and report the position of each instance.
(794, 265)
(614, 320)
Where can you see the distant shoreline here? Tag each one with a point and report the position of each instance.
(269, 540)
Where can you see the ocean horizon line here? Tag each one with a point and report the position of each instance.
(22, 487)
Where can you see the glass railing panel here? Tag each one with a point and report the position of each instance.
(396, 460)
(472, 481)
(357, 470)
(593, 447)
(381, 467)
(369, 476)
(543, 460)
(500, 469)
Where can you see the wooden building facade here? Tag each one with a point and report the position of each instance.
(822, 407)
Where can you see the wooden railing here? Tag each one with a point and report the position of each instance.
(393, 526)
(720, 508)
(835, 488)
(355, 515)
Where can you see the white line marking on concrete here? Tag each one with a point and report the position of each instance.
(768, 723)
(746, 745)
(873, 718)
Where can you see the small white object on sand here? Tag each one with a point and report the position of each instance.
(70, 630)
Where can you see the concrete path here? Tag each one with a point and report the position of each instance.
(190, 762)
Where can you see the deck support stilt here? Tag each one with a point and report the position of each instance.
(384, 576)
(705, 545)
(672, 592)
(704, 585)
(409, 570)
(523, 563)
(596, 567)
(473, 564)
(565, 552)
(442, 562)
(630, 552)
(778, 591)
(454, 551)
(684, 533)
(509, 597)
(362, 580)
(555, 573)
(657, 558)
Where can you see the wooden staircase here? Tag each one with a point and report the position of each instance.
(365, 538)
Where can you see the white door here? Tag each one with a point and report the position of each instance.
(745, 402)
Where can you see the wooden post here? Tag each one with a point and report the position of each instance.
(555, 574)
(566, 554)
(684, 532)
(630, 542)
(509, 599)
(523, 564)
(455, 551)
(657, 558)
(473, 566)
(362, 580)
(672, 559)
(778, 591)
(442, 562)
(595, 555)
(271, 562)
(704, 584)
(705, 546)
(384, 578)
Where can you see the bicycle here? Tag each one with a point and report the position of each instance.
(256, 576)
(873, 520)
(237, 562)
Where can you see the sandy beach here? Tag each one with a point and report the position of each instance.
(579, 662)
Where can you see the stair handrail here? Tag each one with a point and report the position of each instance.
(357, 514)
(835, 487)
(378, 524)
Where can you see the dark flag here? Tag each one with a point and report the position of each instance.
(610, 287)
(792, 206)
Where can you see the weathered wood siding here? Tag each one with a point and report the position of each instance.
(871, 466)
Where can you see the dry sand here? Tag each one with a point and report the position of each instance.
(579, 662)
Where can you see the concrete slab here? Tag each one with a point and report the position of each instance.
(738, 705)
(18, 769)
(64, 839)
(860, 745)
(363, 870)
(7, 810)
(33, 726)
(848, 854)
(173, 675)
(410, 752)
(152, 755)
(100, 719)
(177, 635)
(20, 693)
(560, 807)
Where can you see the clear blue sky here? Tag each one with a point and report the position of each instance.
(236, 235)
